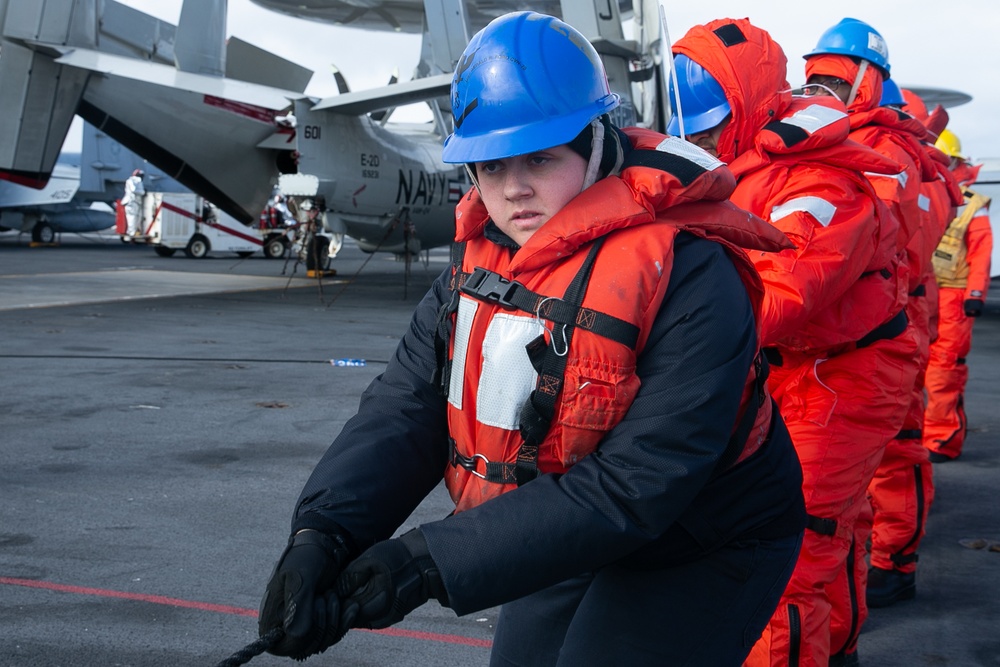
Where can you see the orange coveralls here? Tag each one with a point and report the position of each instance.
(967, 280)
(904, 464)
(832, 315)
(903, 489)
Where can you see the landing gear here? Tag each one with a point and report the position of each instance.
(43, 232)
(317, 254)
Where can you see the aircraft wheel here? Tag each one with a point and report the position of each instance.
(275, 247)
(197, 247)
(318, 254)
(42, 232)
(164, 251)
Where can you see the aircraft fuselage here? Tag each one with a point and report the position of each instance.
(382, 184)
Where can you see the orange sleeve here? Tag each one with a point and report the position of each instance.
(979, 243)
(901, 191)
(833, 226)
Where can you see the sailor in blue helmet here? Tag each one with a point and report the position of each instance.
(892, 95)
(585, 378)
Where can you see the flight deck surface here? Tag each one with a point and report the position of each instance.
(160, 416)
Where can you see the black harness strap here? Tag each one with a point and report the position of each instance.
(889, 330)
(442, 328)
(493, 288)
(822, 526)
(538, 411)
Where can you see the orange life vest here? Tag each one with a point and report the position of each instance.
(544, 341)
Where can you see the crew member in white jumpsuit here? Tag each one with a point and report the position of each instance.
(132, 201)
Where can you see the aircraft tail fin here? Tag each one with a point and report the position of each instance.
(250, 63)
(200, 46)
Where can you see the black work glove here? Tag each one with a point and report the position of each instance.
(300, 597)
(973, 307)
(388, 581)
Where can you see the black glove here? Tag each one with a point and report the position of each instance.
(388, 581)
(973, 307)
(300, 597)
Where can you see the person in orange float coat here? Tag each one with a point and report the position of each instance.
(833, 312)
(851, 62)
(902, 491)
(962, 267)
(944, 194)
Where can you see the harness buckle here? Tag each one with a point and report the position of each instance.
(490, 287)
(469, 463)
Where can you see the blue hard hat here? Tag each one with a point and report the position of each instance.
(703, 102)
(891, 95)
(857, 39)
(525, 82)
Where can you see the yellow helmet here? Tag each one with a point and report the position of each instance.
(949, 144)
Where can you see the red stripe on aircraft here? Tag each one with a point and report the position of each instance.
(227, 609)
(253, 111)
(36, 181)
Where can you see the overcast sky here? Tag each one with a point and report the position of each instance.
(953, 45)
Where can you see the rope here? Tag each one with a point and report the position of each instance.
(253, 649)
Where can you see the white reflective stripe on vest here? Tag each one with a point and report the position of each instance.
(924, 202)
(901, 177)
(463, 325)
(819, 208)
(507, 377)
(688, 151)
(814, 117)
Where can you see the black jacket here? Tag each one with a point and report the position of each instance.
(651, 496)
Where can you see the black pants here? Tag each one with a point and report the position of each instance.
(704, 614)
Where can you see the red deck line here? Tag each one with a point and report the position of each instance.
(226, 609)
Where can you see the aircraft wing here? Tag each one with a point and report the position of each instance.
(164, 75)
(66, 57)
(399, 94)
(410, 15)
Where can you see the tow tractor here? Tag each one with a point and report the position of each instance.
(173, 221)
(188, 222)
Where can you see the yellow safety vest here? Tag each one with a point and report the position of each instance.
(950, 266)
